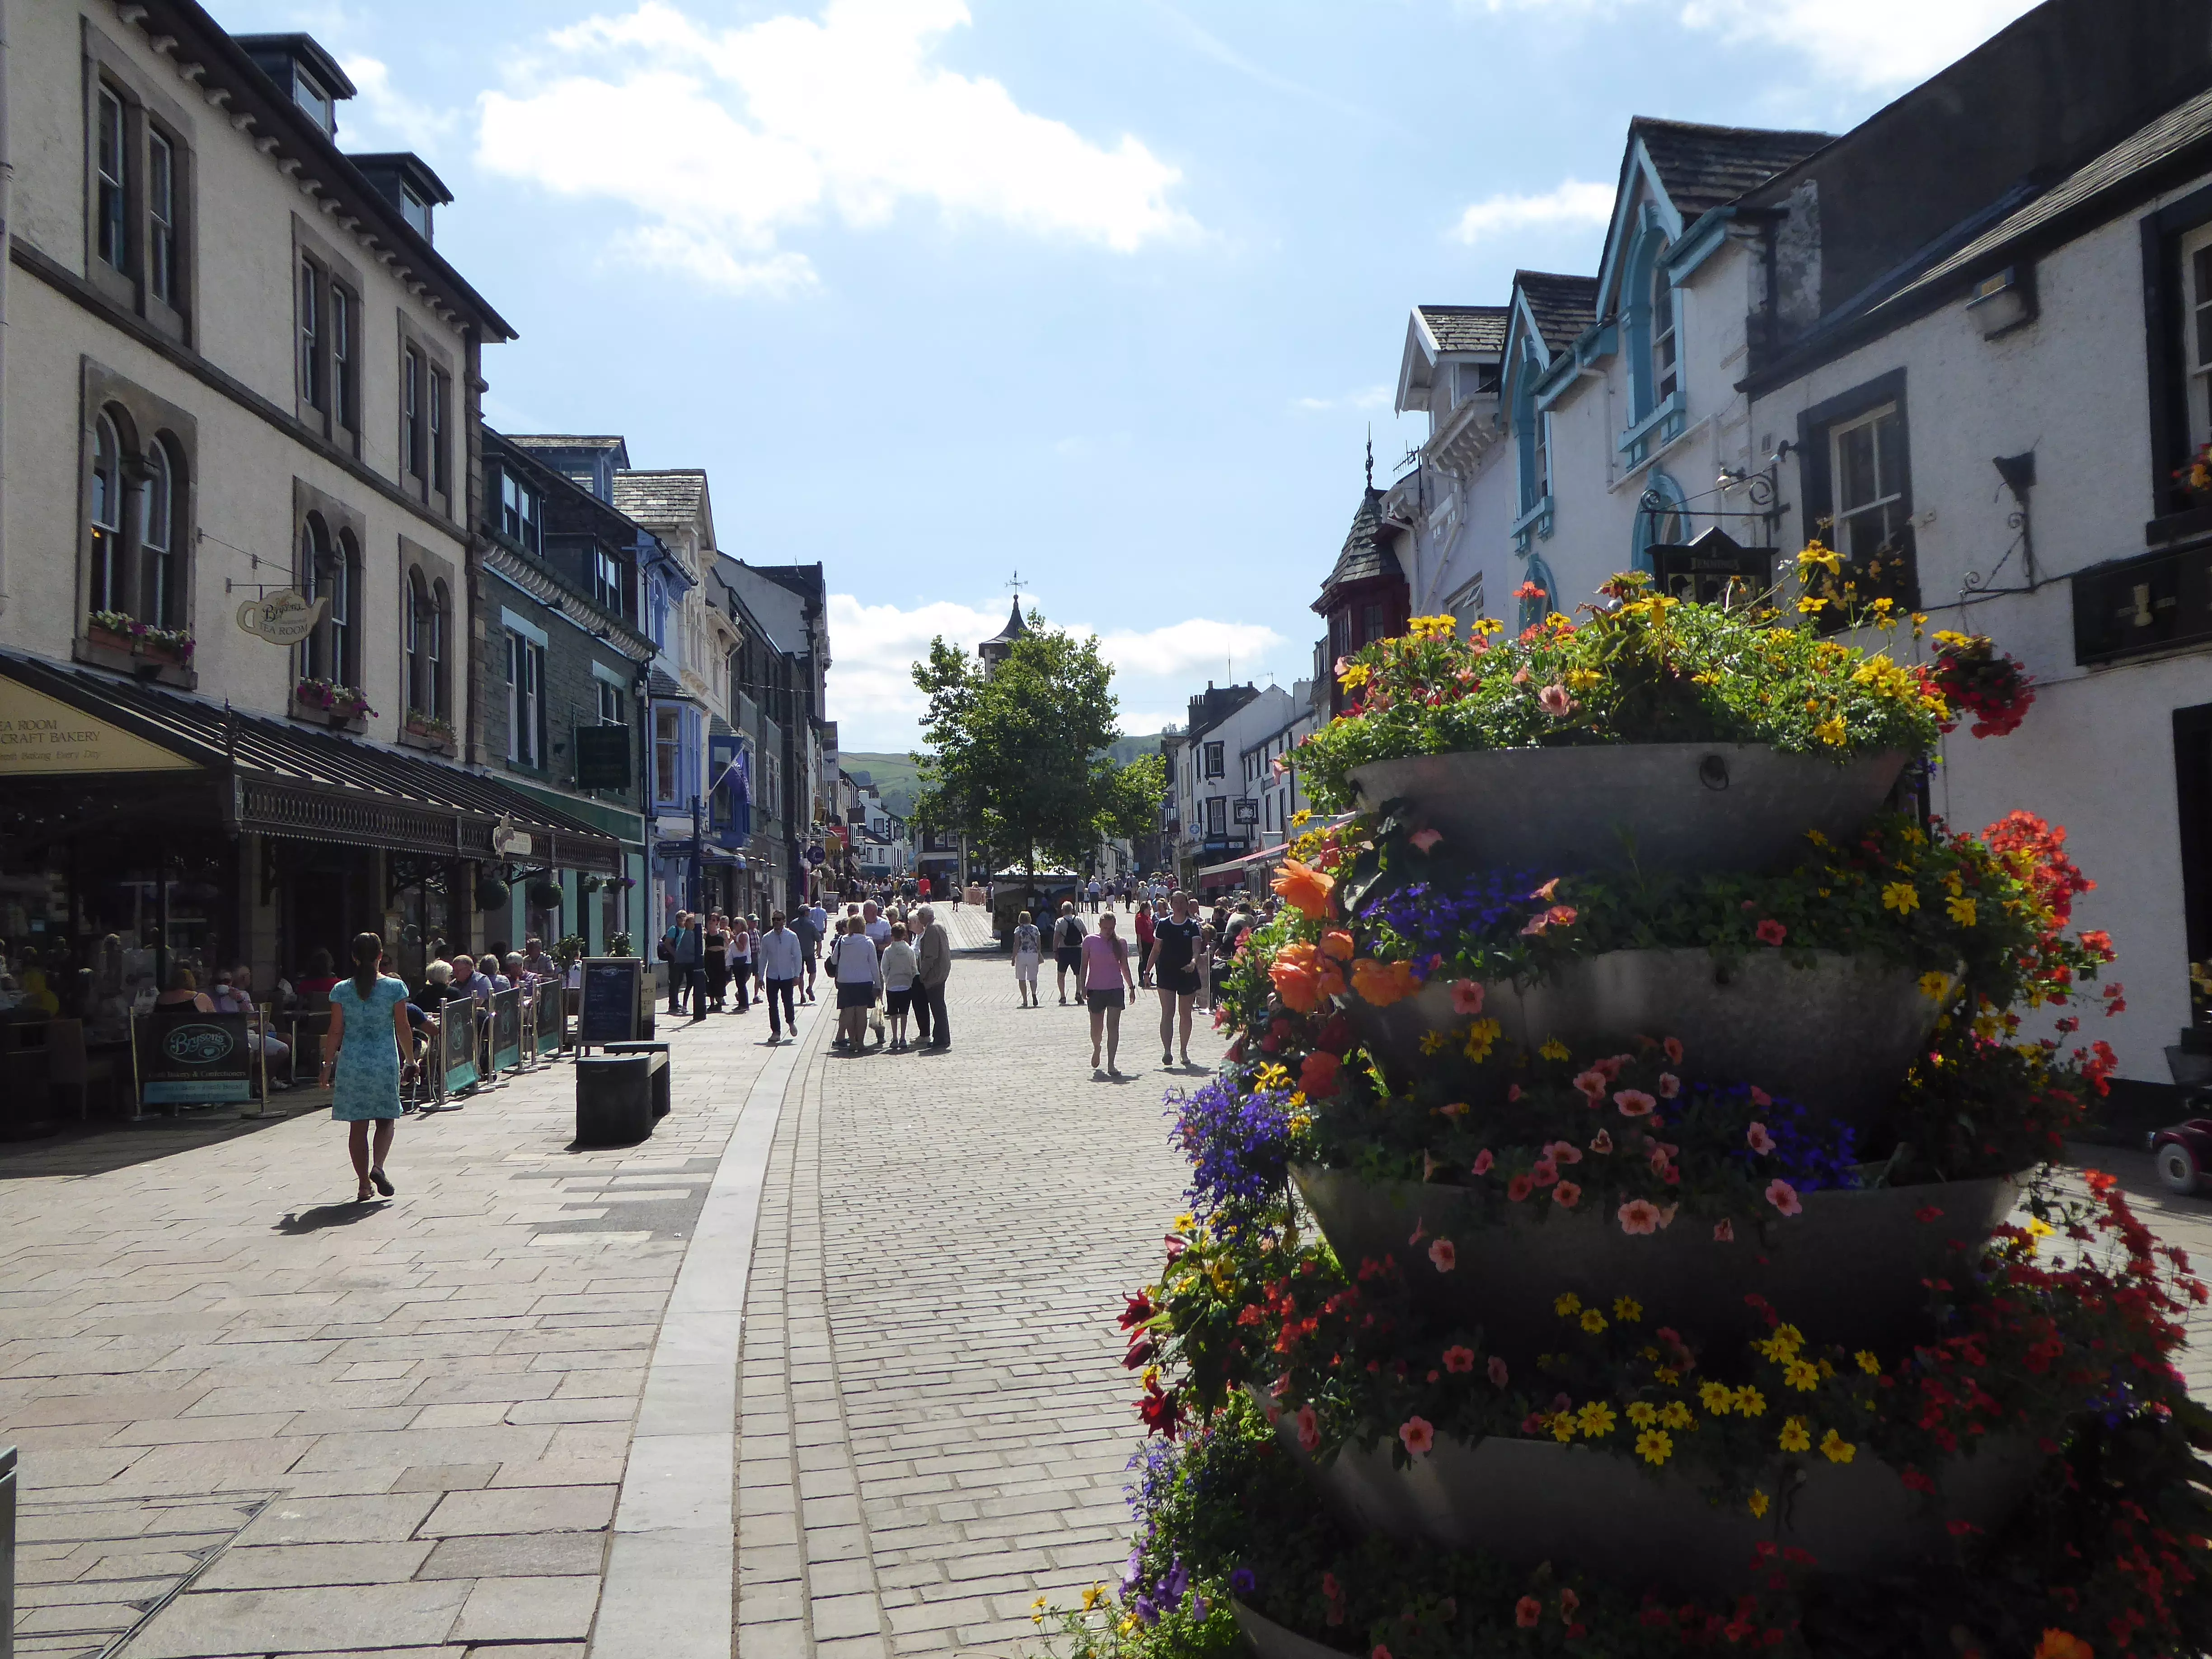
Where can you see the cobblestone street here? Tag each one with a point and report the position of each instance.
(506, 1410)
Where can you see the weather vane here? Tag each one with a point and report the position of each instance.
(1017, 584)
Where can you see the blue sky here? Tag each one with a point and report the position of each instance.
(1105, 291)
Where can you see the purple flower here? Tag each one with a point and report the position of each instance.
(1198, 1608)
(1241, 1582)
(1239, 1149)
(1176, 1582)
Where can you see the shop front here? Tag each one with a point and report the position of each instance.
(143, 830)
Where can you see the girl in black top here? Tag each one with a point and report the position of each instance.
(1174, 972)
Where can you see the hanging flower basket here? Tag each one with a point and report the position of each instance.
(430, 727)
(593, 883)
(547, 894)
(491, 893)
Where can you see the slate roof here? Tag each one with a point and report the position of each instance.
(662, 683)
(670, 496)
(1705, 167)
(557, 440)
(1367, 551)
(1014, 629)
(1564, 307)
(1467, 328)
(2184, 126)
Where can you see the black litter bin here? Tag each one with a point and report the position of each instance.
(614, 1098)
(660, 1078)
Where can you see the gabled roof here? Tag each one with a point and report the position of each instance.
(1465, 328)
(670, 496)
(1561, 307)
(1367, 553)
(1702, 167)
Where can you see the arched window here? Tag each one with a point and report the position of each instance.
(1661, 519)
(108, 585)
(1539, 605)
(1529, 423)
(161, 603)
(441, 617)
(1649, 294)
(421, 625)
(345, 611)
(318, 577)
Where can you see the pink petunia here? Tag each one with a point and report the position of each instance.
(1592, 1083)
(1417, 1434)
(1724, 1233)
(1667, 1213)
(1670, 1086)
(1279, 1387)
(1420, 1231)
(1566, 1195)
(1633, 1102)
(1545, 1172)
(1759, 1096)
(1564, 1151)
(1527, 1611)
(1459, 1359)
(1660, 1163)
(1513, 1092)
(1757, 1139)
(1483, 1160)
(1467, 996)
(1639, 1215)
(1519, 1188)
(1443, 1255)
(1555, 701)
(1497, 1372)
(1425, 839)
(1784, 1197)
(1771, 931)
(1602, 1141)
(1674, 1047)
(1308, 1428)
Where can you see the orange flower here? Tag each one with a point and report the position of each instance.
(2063, 1644)
(1310, 890)
(1299, 974)
(1318, 1075)
(1337, 942)
(1383, 982)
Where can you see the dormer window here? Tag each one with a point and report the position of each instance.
(416, 210)
(308, 93)
(1474, 380)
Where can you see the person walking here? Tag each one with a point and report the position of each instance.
(933, 958)
(744, 931)
(813, 938)
(1027, 946)
(1145, 935)
(899, 964)
(1174, 974)
(1067, 947)
(1106, 977)
(781, 962)
(687, 952)
(852, 967)
(369, 1041)
(714, 958)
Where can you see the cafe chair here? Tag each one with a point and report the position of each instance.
(70, 1067)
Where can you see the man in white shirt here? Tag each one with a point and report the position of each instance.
(876, 925)
(781, 962)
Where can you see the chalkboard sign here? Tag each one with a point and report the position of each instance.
(506, 1031)
(613, 991)
(546, 1002)
(193, 1059)
(457, 1044)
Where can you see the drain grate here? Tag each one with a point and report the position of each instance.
(89, 1573)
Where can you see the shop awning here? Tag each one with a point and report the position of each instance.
(65, 729)
(1238, 866)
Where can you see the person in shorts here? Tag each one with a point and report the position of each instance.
(1027, 947)
(1174, 972)
(1067, 946)
(899, 966)
(1107, 986)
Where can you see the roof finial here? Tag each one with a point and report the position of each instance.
(1370, 454)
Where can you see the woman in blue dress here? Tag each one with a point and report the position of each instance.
(369, 1038)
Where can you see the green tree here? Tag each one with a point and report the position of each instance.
(1017, 759)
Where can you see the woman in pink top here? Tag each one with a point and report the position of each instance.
(1107, 986)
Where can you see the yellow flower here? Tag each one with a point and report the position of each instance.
(1432, 1041)
(1717, 1397)
(1093, 1596)
(1566, 1303)
(1961, 909)
(1128, 1625)
(1759, 1502)
(1554, 1049)
(1900, 896)
(1643, 1413)
(1817, 557)
(1802, 1376)
(1836, 1449)
(1489, 625)
(1749, 1402)
(1274, 1075)
(1593, 1320)
(1668, 1375)
(1796, 1436)
(1433, 628)
(1654, 1446)
(1581, 679)
(1810, 606)
(1830, 732)
(1676, 1415)
(1867, 1363)
(1595, 1419)
(1354, 675)
(1562, 1427)
(1481, 1036)
(1628, 1309)
(1935, 986)
(1299, 818)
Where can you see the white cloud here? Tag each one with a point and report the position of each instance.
(1873, 43)
(390, 115)
(1572, 205)
(873, 647)
(1373, 397)
(723, 140)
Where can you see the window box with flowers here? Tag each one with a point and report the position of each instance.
(113, 639)
(421, 731)
(341, 708)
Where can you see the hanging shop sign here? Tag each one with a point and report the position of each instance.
(508, 841)
(43, 737)
(284, 617)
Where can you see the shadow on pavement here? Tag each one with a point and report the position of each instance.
(96, 1148)
(329, 1215)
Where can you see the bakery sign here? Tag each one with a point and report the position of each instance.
(43, 737)
(284, 617)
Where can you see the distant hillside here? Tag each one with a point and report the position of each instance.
(899, 780)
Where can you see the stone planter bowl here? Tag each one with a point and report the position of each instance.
(1836, 1036)
(1847, 1270)
(1271, 1641)
(1530, 1501)
(1685, 808)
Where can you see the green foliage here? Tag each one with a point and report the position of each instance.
(1019, 759)
(1652, 669)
